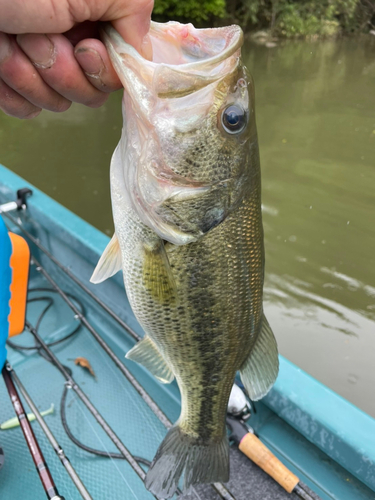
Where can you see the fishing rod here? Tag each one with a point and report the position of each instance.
(51, 438)
(32, 443)
(71, 384)
(219, 488)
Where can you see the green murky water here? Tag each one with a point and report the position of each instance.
(316, 122)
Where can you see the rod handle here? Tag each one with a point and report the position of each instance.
(254, 449)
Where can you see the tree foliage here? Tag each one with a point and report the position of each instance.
(309, 18)
(192, 10)
(289, 18)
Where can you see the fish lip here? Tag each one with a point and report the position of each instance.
(115, 43)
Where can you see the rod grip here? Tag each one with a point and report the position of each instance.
(254, 449)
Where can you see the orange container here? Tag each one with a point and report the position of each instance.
(20, 264)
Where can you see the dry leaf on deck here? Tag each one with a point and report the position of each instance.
(85, 364)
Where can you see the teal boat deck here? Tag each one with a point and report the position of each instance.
(322, 438)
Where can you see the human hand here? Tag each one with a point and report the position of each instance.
(51, 55)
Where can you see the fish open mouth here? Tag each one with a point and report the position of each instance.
(176, 44)
(184, 58)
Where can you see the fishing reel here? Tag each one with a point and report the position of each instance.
(239, 406)
(238, 412)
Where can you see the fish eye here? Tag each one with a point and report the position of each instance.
(234, 119)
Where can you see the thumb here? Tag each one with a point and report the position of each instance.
(134, 27)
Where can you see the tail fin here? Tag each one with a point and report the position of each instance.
(181, 454)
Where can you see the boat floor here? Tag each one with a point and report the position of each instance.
(127, 414)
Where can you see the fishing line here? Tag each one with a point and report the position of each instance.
(196, 493)
(104, 446)
(85, 447)
(124, 386)
(100, 453)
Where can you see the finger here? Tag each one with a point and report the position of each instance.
(135, 25)
(61, 71)
(15, 105)
(94, 60)
(19, 74)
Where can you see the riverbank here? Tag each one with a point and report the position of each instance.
(270, 40)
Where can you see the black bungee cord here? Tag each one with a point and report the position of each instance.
(50, 301)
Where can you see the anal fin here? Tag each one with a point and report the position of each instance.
(109, 263)
(147, 354)
(260, 370)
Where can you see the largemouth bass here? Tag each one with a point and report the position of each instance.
(185, 186)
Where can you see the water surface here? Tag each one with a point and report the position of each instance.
(316, 123)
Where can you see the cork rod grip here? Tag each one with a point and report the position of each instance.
(254, 449)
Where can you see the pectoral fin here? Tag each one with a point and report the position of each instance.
(147, 354)
(109, 263)
(157, 274)
(260, 370)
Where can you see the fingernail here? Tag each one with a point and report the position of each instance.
(90, 61)
(39, 49)
(5, 47)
